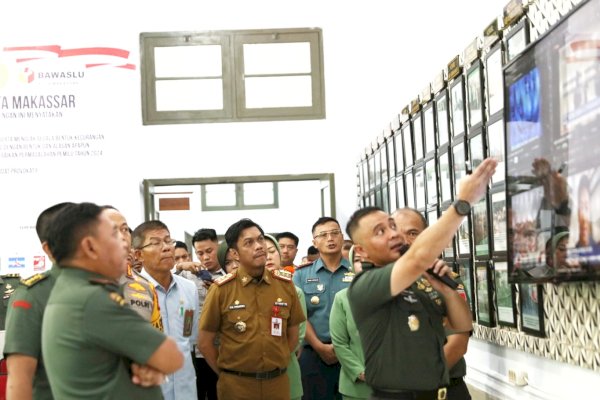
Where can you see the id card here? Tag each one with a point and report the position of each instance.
(276, 324)
(188, 320)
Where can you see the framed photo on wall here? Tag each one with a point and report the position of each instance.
(431, 180)
(401, 198)
(408, 147)
(499, 223)
(481, 233)
(429, 128)
(475, 95)
(494, 82)
(399, 151)
(420, 187)
(517, 39)
(418, 136)
(459, 166)
(505, 295)
(391, 154)
(384, 163)
(432, 215)
(362, 166)
(465, 272)
(442, 118)
(463, 238)
(377, 167)
(445, 176)
(495, 137)
(385, 198)
(532, 309)
(483, 291)
(476, 149)
(409, 186)
(457, 107)
(371, 169)
(393, 196)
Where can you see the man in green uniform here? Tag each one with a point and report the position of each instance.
(256, 312)
(23, 341)
(401, 329)
(89, 336)
(410, 223)
(8, 284)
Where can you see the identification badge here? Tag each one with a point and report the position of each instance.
(347, 278)
(276, 324)
(188, 320)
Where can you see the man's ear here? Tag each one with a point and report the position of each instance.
(46, 249)
(89, 247)
(138, 255)
(360, 251)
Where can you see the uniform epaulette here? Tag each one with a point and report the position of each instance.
(117, 298)
(11, 276)
(33, 279)
(282, 274)
(225, 278)
(304, 265)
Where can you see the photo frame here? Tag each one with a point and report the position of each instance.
(432, 215)
(494, 80)
(429, 129)
(372, 198)
(442, 118)
(377, 167)
(517, 39)
(418, 136)
(476, 149)
(457, 107)
(431, 182)
(408, 147)
(465, 273)
(385, 199)
(391, 155)
(532, 309)
(496, 149)
(400, 192)
(499, 223)
(445, 176)
(449, 252)
(481, 229)
(363, 175)
(459, 166)
(371, 170)
(420, 195)
(409, 187)
(463, 238)
(393, 195)
(483, 292)
(475, 95)
(506, 305)
(399, 151)
(384, 163)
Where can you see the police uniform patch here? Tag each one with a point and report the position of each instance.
(137, 286)
(32, 280)
(225, 278)
(282, 274)
(116, 297)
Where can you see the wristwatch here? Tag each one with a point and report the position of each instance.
(462, 207)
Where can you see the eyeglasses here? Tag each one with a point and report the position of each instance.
(323, 235)
(168, 242)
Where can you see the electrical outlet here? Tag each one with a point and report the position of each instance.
(517, 378)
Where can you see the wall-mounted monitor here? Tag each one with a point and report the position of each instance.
(552, 114)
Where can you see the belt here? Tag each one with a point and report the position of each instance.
(456, 381)
(439, 394)
(257, 375)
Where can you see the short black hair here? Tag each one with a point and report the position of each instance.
(204, 234)
(414, 211)
(233, 232)
(323, 220)
(355, 218)
(181, 245)
(288, 235)
(139, 233)
(45, 219)
(312, 250)
(71, 224)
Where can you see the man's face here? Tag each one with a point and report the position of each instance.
(408, 225)
(251, 251)
(206, 251)
(328, 238)
(112, 246)
(181, 255)
(157, 251)
(118, 218)
(376, 239)
(288, 251)
(273, 257)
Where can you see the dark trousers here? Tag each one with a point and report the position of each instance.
(206, 379)
(319, 380)
(458, 390)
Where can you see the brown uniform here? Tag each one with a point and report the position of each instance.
(246, 312)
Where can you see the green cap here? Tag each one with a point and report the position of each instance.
(222, 253)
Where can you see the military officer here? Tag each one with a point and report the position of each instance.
(400, 327)
(256, 312)
(8, 284)
(89, 335)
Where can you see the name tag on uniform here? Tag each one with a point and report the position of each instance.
(347, 278)
(188, 320)
(276, 324)
(308, 280)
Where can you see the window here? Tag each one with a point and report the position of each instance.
(227, 76)
(239, 196)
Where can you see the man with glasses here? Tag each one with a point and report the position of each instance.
(320, 281)
(178, 299)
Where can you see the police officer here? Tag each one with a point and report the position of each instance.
(89, 335)
(410, 223)
(256, 312)
(401, 328)
(320, 281)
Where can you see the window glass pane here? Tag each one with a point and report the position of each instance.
(258, 193)
(187, 61)
(283, 91)
(220, 195)
(277, 58)
(200, 94)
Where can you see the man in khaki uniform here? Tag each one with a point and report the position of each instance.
(256, 313)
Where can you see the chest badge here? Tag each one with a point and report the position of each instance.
(314, 300)
(320, 287)
(413, 323)
(240, 326)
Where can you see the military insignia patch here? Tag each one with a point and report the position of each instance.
(282, 275)
(116, 297)
(225, 278)
(32, 280)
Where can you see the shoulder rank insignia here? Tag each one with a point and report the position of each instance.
(117, 298)
(32, 280)
(137, 286)
(282, 275)
(304, 265)
(11, 276)
(225, 278)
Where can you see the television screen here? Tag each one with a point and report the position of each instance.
(552, 114)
